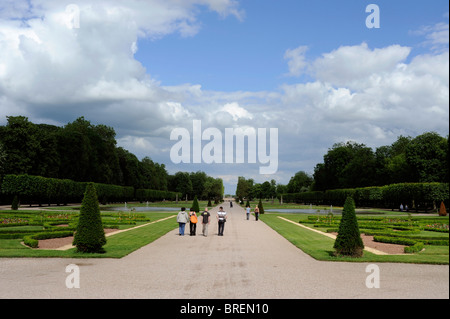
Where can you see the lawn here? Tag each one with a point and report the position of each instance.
(320, 247)
(16, 225)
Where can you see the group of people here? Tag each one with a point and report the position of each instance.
(183, 218)
(256, 211)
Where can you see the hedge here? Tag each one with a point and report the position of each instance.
(153, 195)
(415, 195)
(414, 248)
(43, 190)
(33, 240)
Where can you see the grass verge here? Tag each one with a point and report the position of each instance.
(320, 247)
(117, 246)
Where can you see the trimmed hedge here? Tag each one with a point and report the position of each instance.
(33, 240)
(153, 195)
(418, 195)
(42, 190)
(414, 248)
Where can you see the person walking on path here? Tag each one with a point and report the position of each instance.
(248, 212)
(182, 219)
(206, 219)
(193, 222)
(256, 212)
(222, 218)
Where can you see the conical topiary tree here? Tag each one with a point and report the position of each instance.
(90, 236)
(195, 206)
(260, 206)
(442, 210)
(209, 203)
(348, 241)
(15, 203)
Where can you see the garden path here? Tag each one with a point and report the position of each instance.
(250, 261)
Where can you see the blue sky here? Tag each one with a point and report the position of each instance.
(229, 54)
(311, 69)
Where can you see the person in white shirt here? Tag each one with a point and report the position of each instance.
(221, 218)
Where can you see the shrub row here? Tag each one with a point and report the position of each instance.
(414, 248)
(33, 240)
(42, 190)
(153, 195)
(413, 245)
(418, 195)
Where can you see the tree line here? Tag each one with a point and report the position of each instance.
(83, 152)
(423, 159)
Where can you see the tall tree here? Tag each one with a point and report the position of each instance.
(198, 180)
(242, 188)
(20, 142)
(300, 182)
(427, 154)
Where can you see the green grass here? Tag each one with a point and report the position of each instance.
(320, 247)
(117, 246)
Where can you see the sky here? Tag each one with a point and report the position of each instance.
(311, 69)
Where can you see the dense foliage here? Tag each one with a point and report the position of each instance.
(411, 171)
(83, 152)
(424, 158)
(418, 196)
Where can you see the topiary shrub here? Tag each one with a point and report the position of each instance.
(348, 241)
(90, 236)
(442, 210)
(195, 206)
(260, 206)
(15, 203)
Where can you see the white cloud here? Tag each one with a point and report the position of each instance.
(53, 73)
(296, 60)
(349, 65)
(236, 111)
(437, 35)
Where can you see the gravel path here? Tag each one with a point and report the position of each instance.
(250, 261)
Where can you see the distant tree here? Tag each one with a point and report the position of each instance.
(300, 182)
(90, 236)
(2, 159)
(348, 241)
(242, 188)
(198, 180)
(183, 183)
